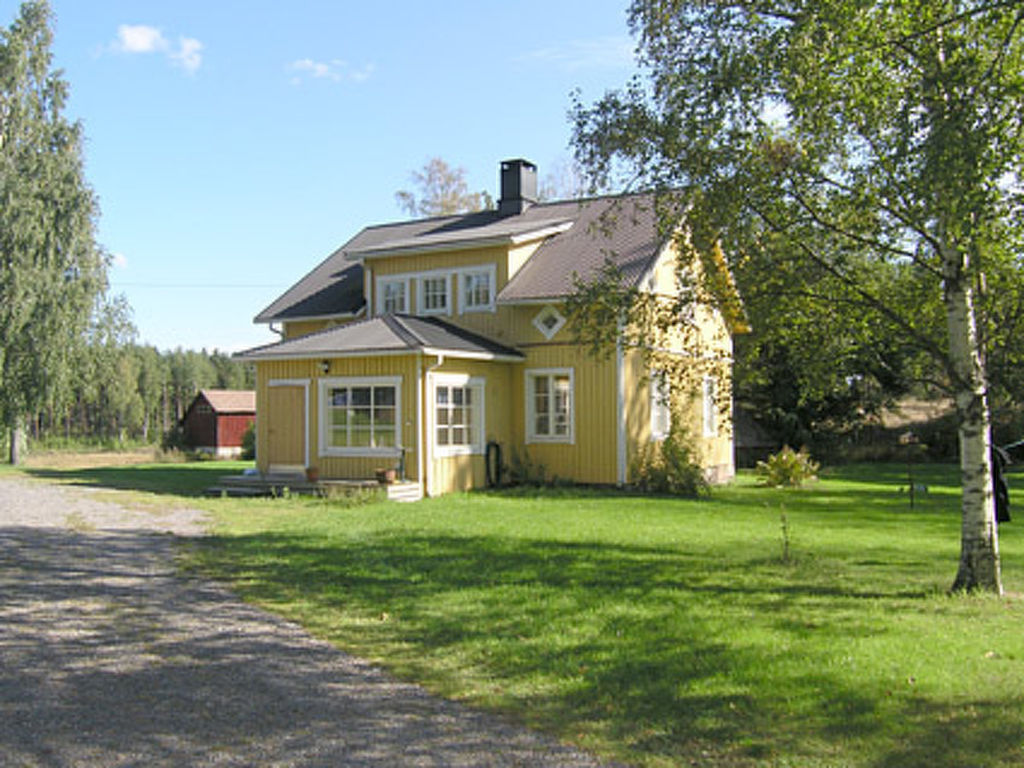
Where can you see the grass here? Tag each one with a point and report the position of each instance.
(659, 631)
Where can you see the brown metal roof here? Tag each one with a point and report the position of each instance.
(388, 334)
(621, 231)
(579, 238)
(230, 400)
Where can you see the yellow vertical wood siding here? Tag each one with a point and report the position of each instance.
(340, 467)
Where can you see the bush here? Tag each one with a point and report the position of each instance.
(670, 467)
(249, 443)
(787, 468)
(522, 470)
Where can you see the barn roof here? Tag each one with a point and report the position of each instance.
(230, 400)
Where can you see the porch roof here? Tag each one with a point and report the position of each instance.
(387, 335)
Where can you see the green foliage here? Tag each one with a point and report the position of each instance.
(670, 467)
(249, 443)
(787, 468)
(869, 155)
(51, 270)
(524, 470)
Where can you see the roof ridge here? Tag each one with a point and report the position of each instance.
(403, 326)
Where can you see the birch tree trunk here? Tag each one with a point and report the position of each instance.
(979, 538)
(17, 437)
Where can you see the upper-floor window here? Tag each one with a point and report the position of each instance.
(477, 290)
(434, 298)
(548, 321)
(392, 296)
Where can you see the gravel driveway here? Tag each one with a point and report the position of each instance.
(109, 657)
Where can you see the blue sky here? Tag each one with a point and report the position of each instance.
(233, 145)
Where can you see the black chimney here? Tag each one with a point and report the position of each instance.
(518, 186)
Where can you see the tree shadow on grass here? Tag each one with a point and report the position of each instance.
(632, 644)
(166, 479)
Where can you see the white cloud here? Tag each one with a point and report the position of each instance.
(610, 52)
(139, 39)
(188, 55)
(143, 39)
(335, 70)
(118, 260)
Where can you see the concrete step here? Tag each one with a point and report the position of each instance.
(405, 492)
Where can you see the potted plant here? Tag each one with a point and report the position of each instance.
(386, 476)
(312, 474)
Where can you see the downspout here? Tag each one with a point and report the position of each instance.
(620, 404)
(425, 457)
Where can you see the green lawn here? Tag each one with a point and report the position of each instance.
(666, 632)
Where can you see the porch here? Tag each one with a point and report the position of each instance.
(274, 484)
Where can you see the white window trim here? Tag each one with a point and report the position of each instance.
(538, 321)
(709, 406)
(491, 270)
(383, 280)
(531, 436)
(325, 384)
(421, 293)
(478, 384)
(661, 403)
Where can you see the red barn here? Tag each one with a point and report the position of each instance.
(216, 420)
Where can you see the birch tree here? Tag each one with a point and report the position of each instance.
(51, 270)
(841, 140)
(441, 191)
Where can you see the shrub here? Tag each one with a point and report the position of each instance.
(670, 467)
(249, 443)
(522, 470)
(787, 468)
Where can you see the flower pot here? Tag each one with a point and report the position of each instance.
(312, 474)
(386, 476)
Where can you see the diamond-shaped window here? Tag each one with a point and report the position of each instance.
(549, 321)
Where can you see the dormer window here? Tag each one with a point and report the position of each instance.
(477, 290)
(392, 296)
(434, 298)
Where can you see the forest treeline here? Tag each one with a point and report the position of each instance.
(122, 391)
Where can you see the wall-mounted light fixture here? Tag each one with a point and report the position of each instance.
(325, 366)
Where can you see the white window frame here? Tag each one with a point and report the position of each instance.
(709, 406)
(491, 271)
(530, 374)
(421, 293)
(661, 405)
(549, 311)
(324, 387)
(477, 384)
(385, 280)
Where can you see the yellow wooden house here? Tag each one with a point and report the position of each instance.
(435, 346)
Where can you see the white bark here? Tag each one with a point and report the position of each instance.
(979, 539)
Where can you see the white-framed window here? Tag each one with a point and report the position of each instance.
(710, 406)
(549, 321)
(549, 405)
(392, 295)
(661, 406)
(360, 416)
(435, 295)
(476, 289)
(458, 415)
